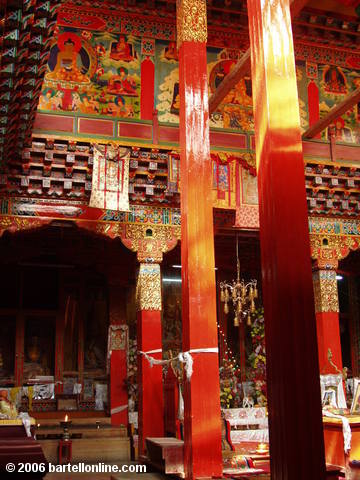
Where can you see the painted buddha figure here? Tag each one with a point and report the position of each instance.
(66, 67)
(334, 81)
(122, 84)
(171, 52)
(121, 50)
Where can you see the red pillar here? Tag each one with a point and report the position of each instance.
(147, 89)
(59, 351)
(327, 319)
(202, 428)
(149, 339)
(118, 343)
(313, 104)
(296, 442)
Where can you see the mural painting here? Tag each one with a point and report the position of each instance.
(236, 110)
(98, 73)
(326, 86)
(93, 73)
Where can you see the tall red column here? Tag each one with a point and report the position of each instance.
(327, 319)
(202, 428)
(118, 342)
(296, 437)
(147, 89)
(149, 340)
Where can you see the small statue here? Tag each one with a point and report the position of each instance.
(7, 408)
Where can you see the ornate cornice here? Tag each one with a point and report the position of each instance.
(150, 242)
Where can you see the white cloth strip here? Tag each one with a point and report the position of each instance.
(119, 409)
(346, 429)
(152, 360)
(26, 420)
(188, 361)
(183, 357)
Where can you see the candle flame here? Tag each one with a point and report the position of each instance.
(66, 418)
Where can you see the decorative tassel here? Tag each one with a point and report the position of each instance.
(222, 295)
(234, 294)
(252, 307)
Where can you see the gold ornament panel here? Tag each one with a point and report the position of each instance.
(150, 242)
(325, 291)
(191, 21)
(118, 337)
(327, 250)
(148, 287)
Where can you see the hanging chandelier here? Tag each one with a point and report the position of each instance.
(241, 294)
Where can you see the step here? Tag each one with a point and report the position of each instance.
(78, 414)
(166, 454)
(54, 432)
(91, 450)
(43, 419)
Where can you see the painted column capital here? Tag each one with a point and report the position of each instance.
(191, 21)
(325, 291)
(148, 287)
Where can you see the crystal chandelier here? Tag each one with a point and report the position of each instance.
(241, 294)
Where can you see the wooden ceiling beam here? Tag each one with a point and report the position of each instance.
(334, 113)
(243, 66)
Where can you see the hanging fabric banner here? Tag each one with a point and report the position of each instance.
(173, 172)
(110, 179)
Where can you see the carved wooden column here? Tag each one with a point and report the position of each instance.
(149, 340)
(202, 428)
(296, 444)
(327, 319)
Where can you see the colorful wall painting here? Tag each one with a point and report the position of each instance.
(94, 68)
(235, 113)
(236, 110)
(93, 73)
(332, 84)
(249, 188)
(167, 99)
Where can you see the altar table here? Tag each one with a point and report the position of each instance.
(334, 442)
(248, 424)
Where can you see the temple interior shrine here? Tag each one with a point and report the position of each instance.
(180, 236)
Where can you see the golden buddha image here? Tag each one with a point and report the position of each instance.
(68, 60)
